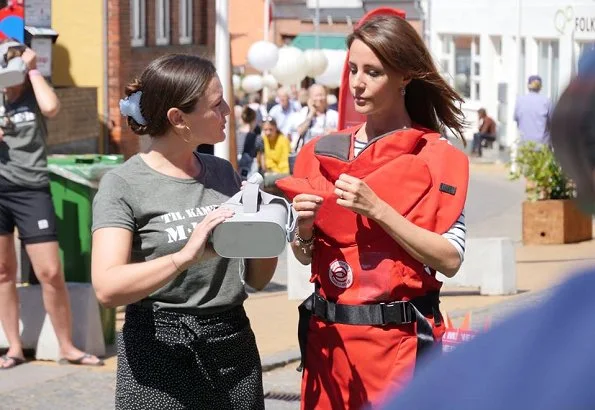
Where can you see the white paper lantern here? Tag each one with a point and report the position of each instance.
(331, 77)
(270, 82)
(291, 67)
(252, 83)
(237, 82)
(316, 62)
(263, 55)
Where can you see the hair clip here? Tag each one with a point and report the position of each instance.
(130, 107)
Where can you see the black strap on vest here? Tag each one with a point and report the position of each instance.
(380, 314)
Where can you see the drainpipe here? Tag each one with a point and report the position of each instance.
(427, 13)
(514, 143)
(223, 62)
(106, 120)
(266, 31)
(317, 26)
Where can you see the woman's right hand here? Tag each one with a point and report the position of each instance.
(307, 207)
(194, 249)
(30, 58)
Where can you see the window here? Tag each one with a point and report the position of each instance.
(446, 61)
(162, 22)
(329, 4)
(467, 66)
(460, 64)
(137, 23)
(185, 21)
(548, 66)
(579, 49)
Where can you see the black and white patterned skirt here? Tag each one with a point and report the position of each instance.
(169, 360)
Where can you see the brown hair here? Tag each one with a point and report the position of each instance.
(173, 80)
(13, 52)
(248, 115)
(429, 100)
(273, 122)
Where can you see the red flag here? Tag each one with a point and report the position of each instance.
(270, 13)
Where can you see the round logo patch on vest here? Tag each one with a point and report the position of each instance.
(340, 274)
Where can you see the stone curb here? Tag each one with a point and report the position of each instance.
(276, 360)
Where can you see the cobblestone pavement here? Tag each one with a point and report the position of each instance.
(69, 387)
(74, 389)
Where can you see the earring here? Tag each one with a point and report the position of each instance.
(403, 91)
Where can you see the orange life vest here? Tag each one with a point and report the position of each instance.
(419, 174)
(355, 262)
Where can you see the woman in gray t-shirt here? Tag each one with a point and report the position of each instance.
(186, 341)
(26, 204)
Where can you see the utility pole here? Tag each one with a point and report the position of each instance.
(317, 26)
(519, 81)
(267, 19)
(223, 64)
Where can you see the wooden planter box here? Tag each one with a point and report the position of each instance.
(555, 221)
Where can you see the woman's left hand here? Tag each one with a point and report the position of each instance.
(356, 195)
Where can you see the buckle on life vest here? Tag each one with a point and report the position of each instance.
(378, 314)
(398, 313)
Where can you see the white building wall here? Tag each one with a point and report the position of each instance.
(567, 22)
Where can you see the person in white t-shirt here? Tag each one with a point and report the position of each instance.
(316, 119)
(283, 111)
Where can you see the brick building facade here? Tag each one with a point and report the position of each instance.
(127, 57)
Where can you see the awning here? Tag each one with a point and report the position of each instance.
(306, 41)
(32, 32)
(41, 31)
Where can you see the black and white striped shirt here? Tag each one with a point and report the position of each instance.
(457, 233)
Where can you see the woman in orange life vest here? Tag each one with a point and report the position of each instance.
(381, 209)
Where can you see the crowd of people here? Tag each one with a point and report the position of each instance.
(269, 135)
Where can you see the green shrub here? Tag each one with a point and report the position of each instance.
(544, 176)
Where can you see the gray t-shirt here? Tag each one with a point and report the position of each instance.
(162, 212)
(23, 152)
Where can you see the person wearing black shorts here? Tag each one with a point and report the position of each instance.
(26, 204)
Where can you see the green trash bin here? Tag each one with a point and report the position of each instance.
(73, 182)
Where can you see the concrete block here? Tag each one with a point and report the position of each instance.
(298, 278)
(490, 265)
(38, 333)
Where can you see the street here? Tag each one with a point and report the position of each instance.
(493, 209)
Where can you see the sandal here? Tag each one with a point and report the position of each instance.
(81, 361)
(12, 360)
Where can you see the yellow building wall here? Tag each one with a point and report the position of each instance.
(78, 55)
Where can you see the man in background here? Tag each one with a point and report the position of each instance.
(282, 111)
(487, 132)
(533, 113)
(316, 119)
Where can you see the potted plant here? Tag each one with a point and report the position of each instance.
(550, 215)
